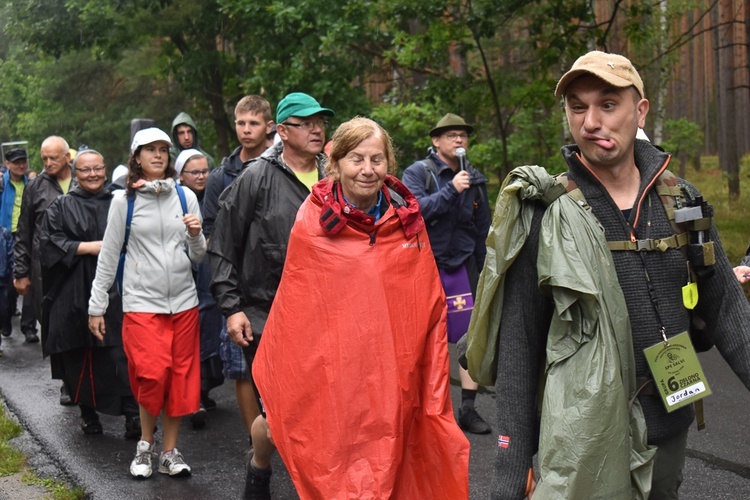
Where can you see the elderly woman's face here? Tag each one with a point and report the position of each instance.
(362, 172)
(90, 172)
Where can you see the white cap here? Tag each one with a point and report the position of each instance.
(147, 136)
(119, 171)
(183, 157)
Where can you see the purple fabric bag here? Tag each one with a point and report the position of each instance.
(460, 302)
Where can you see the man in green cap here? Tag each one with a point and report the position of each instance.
(452, 195)
(248, 243)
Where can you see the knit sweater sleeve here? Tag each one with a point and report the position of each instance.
(725, 309)
(521, 347)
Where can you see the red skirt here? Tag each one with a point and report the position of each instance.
(163, 353)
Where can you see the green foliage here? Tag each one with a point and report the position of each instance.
(84, 68)
(682, 137)
(409, 126)
(730, 217)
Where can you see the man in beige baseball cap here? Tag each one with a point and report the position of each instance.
(614, 69)
(621, 178)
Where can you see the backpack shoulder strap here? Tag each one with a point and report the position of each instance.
(430, 178)
(181, 195)
(124, 250)
(226, 178)
(564, 184)
(128, 221)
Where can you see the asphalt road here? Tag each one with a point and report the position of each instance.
(718, 463)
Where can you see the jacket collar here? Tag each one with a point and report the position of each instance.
(157, 186)
(648, 159)
(336, 213)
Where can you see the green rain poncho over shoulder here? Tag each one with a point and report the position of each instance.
(592, 440)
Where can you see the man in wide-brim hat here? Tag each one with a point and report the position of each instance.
(452, 196)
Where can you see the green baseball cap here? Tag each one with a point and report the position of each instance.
(301, 105)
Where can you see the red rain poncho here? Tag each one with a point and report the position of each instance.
(353, 364)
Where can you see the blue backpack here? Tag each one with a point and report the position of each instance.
(129, 220)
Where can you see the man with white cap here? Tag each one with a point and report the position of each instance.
(619, 180)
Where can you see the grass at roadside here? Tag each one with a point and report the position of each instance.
(12, 461)
(732, 218)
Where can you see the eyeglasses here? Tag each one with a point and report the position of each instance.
(87, 171)
(308, 125)
(196, 173)
(453, 136)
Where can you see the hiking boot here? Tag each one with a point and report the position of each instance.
(31, 337)
(140, 467)
(207, 403)
(172, 463)
(91, 425)
(257, 482)
(470, 421)
(198, 419)
(132, 427)
(65, 398)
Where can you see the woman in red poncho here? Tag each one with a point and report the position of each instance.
(353, 365)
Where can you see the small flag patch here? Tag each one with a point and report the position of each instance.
(503, 441)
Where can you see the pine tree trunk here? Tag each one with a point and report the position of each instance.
(728, 157)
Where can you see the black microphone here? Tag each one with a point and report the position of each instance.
(461, 154)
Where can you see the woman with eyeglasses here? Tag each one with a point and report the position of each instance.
(160, 327)
(70, 240)
(191, 168)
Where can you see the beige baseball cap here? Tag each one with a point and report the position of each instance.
(614, 69)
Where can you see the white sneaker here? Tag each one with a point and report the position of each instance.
(171, 462)
(140, 467)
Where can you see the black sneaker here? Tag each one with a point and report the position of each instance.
(31, 337)
(257, 483)
(198, 419)
(207, 403)
(132, 427)
(470, 421)
(91, 426)
(65, 398)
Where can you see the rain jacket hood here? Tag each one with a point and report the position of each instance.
(361, 409)
(184, 119)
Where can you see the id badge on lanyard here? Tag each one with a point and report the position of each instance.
(678, 375)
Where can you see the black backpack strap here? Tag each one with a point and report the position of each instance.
(430, 178)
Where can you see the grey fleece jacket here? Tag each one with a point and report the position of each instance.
(157, 276)
(526, 316)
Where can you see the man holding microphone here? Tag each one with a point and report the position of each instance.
(452, 196)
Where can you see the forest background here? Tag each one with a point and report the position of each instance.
(84, 68)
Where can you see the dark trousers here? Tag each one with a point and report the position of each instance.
(28, 317)
(668, 463)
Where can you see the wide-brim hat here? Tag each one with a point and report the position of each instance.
(301, 105)
(614, 69)
(147, 136)
(16, 154)
(451, 122)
